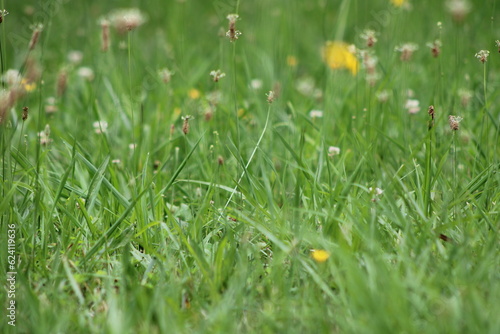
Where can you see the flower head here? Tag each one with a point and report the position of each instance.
(435, 47)
(398, 3)
(100, 127)
(333, 150)
(458, 9)
(412, 106)
(316, 113)
(126, 19)
(3, 13)
(370, 37)
(217, 75)
(319, 255)
(165, 75)
(232, 33)
(482, 55)
(454, 122)
(406, 50)
(338, 55)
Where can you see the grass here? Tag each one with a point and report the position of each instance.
(143, 228)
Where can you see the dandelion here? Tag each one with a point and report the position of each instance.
(185, 124)
(458, 9)
(406, 50)
(412, 106)
(100, 127)
(333, 150)
(319, 255)
(194, 94)
(37, 29)
(338, 55)
(3, 13)
(316, 113)
(127, 19)
(232, 33)
(398, 3)
(104, 34)
(291, 61)
(165, 75)
(86, 73)
(482, 55)
(217, 75)
(370, 37)
(454, 122)
(435, 47)
(75, 57)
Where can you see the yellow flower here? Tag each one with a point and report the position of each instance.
(338, 55)
(320, 255)
(398, 3)
(28, 86)
(291, 61)
(194, 93)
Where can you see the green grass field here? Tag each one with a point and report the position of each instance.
(310, 188)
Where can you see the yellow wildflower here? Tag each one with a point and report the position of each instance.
(194, 93)
(28, 86)
(291, 61)
(320, 255)
(398, 3)
(339, 55)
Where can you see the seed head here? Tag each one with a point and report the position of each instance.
(217, 75)
(185, 124)
(370, 37)
(126, 19)
(435, 47)
(37, 29)
(454, 122)
(482, 55)
(25, 113)
(271, 96)
(406, 50)
(232, 33)
(104, 34)
(3, 13)
(430, 111)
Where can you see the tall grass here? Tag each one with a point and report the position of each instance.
(214, 229)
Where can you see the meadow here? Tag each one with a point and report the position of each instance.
(264, 166)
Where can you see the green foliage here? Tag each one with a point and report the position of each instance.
(196, 206)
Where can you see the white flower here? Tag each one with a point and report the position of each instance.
(126, 19)
(86, 73)
(256, 84)
(382, 96)
(100, 126)
(165, 75)
(12, 78)
(217, 75)
(412, 106)
(482, 55)
(333, 150)
(316, 113)
(75, 57)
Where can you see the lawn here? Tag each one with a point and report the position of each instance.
(264, 166)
